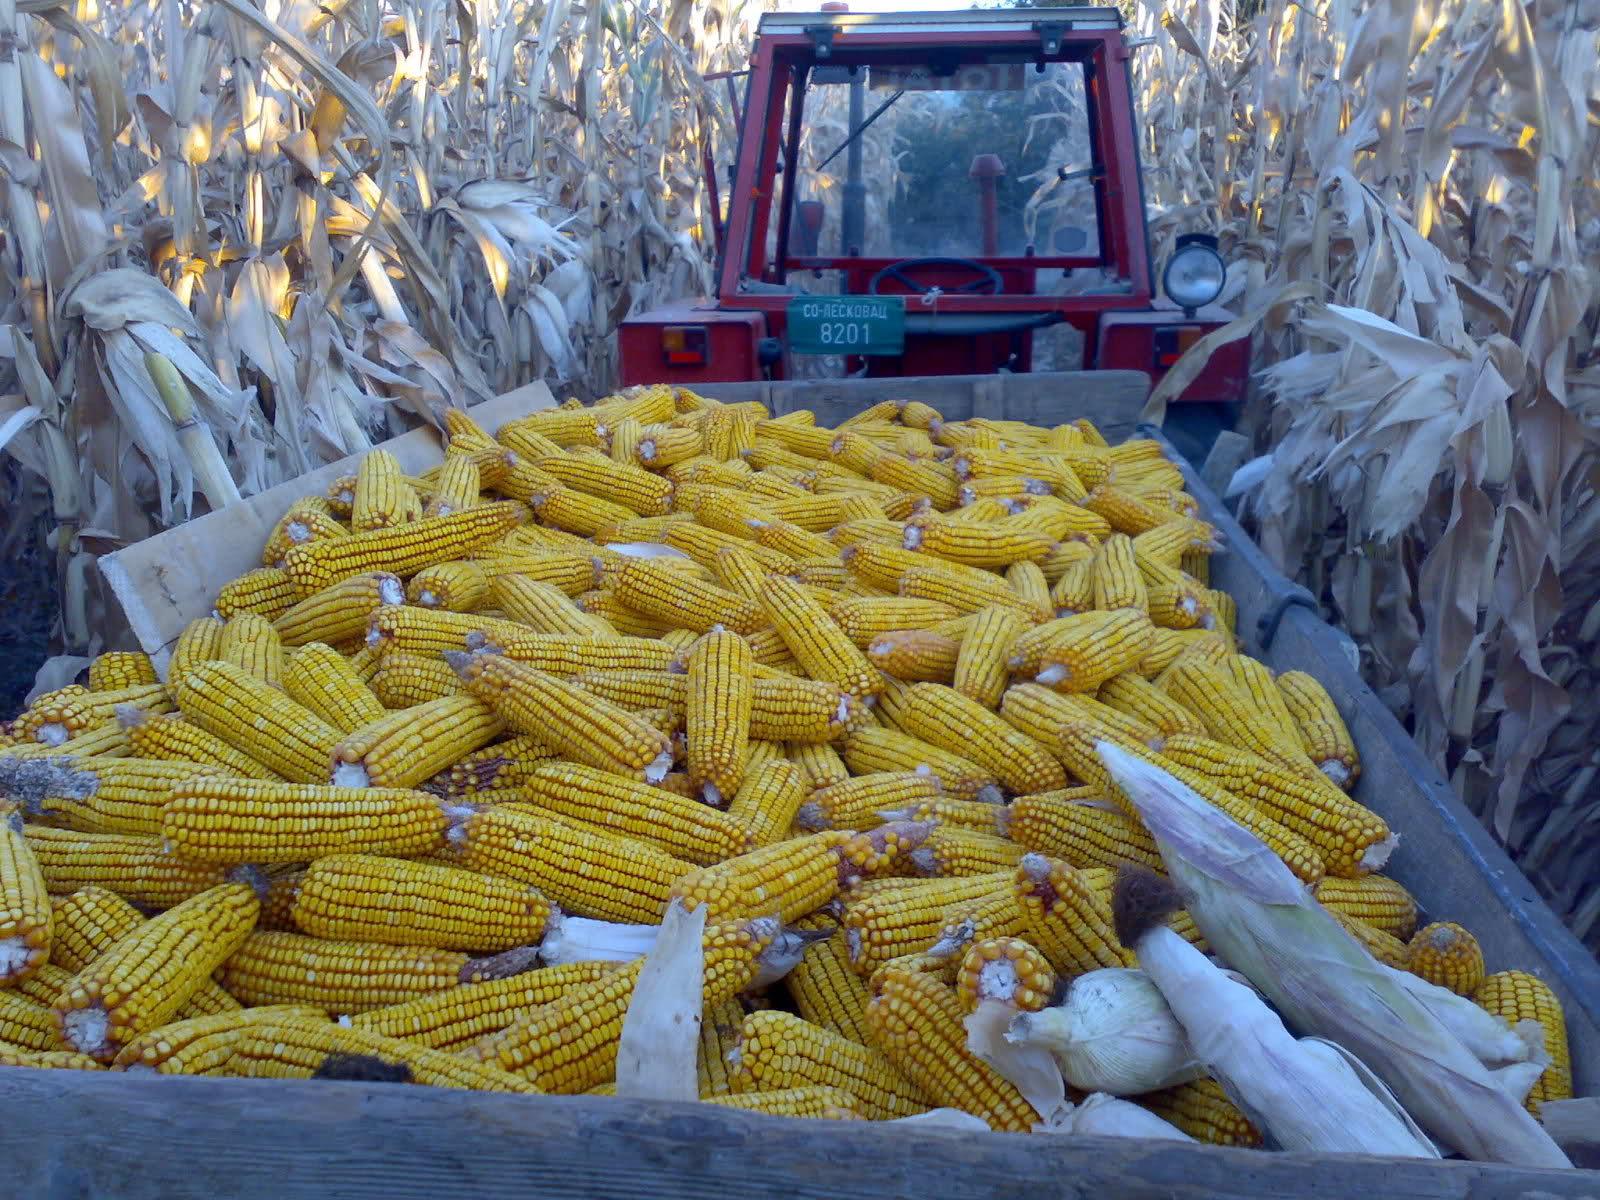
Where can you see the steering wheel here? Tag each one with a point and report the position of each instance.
(988, 283)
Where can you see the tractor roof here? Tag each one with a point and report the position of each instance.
(966, 22)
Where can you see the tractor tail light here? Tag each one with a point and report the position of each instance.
(685, 345)
(1170, 343)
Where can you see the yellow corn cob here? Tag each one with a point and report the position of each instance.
(277, 906)
(103, 741)
(1142, 700)
(981, 665)
(617, 483)
(502, 765)
(576, 511)
(1374, 900)
(856, 803)
(1126, 512)
(622, 879)
(824, 989)
(607, 606)
(1208, 690)
(307, 522)
(339, 613)
(324, 682)
(956, 814)
(452, 1018)
(258, 719)
(734, 560)
(816, 641)
(1006, 969)
(1028, 648)
(661, 446)
(1028, 581)
(1039, 712)
(250, 643)
(916, 1021)
(687, 829)
(266, 591)
(456, 486)
(1165, 646)
(136, 868)
(683, 602)
(914, 655)
(383, 496)
(973, 544)
(147, 976)
(864, 618)
(777, 1050)
(59, 1060)
(1222, 613)
(1447, 955)
(409, 679)
(1066, 556)
(821, 763)
(409, 629)
(28, 1024)
(545, 608)
(792, 541)
(1076, 747)
(1067, 919)
(1084, 831)
(1073, 591)
(909, 916)
(220, 820)
(112, 795)
(292, 1047)
(401, 749)
(882, 566)
(951, 851)
(560, 654)
(1385, 947)
(368, 898)
(171, 737)
(1115, 576)
(788, 879)
(342, 977)
(996, 915)
(1322, 730)
(199, 1045)
(89, 921)
(637, 690)
(1518, 996)
(1056, 520)
(868, 750)
(946, 718)
(25, 917)
(403, 550)
(114, 670)
(874, 531)
(719, 1035)
(569, 719)
(1352, 839)
(459, 586)
(340, 497)
(1098, 646)
(573, 571)
(1202, 1110)
(570, 1044)
(768, 801)
(67, 713)
(717, 714)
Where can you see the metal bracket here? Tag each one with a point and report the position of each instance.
(822, 39)
(1293, 596)
(1051, 34)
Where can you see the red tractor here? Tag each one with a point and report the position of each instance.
(949, 193)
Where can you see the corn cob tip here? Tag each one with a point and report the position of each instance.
(350, 775)
(31, 781)
(87, 1030)
(788, 947)
(252, 876)
(811, 817)
(500, 966)
(461, 661)
(130, 716)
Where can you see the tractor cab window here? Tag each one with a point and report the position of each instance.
(985, 161)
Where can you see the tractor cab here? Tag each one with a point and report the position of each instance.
(944, 193)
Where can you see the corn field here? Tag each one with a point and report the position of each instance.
(241, 240)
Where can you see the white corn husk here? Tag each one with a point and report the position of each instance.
(785, 953)
(1300, 1098)
(572, 939)
(1101, 1115)
(944, 1118)
(1112, 1032)
(1031, 1069)
(660, 1044)
(1493, 1040)
(1262, 921)
(645, 550)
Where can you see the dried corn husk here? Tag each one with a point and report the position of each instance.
(1101, 1115)
(1263, 923)
(570, 939)
(1031, 1068)
(1112, 1033)
(661, 1032)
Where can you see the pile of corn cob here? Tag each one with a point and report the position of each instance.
(844, 684)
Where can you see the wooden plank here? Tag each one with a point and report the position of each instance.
(1446, 858)
(168, 580)
(1575, 1126)
(75, 1135)
(1111, 399)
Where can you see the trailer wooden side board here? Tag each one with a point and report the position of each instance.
(73, 1136)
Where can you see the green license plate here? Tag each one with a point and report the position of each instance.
(847, 325)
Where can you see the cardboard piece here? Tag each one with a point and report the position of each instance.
(166, 581)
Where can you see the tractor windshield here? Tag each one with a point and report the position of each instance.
(977, 160)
